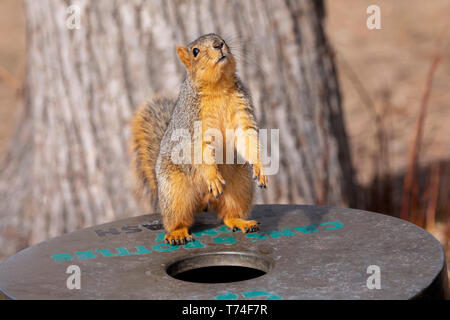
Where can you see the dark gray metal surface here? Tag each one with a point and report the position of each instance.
(310, 252)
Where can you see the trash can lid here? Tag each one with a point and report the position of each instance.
(300, 252)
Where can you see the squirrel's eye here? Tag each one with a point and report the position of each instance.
(195, 51)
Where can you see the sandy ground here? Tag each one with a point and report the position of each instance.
(12, 60)
(391, 64)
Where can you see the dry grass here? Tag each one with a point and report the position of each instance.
(392, 65)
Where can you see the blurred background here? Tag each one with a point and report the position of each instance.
(385, 86)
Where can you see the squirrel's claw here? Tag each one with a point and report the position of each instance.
(178, 237)
(215, 185)
(253, 228)
(258, 174)
(246, 226)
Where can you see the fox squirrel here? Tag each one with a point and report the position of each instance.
(213, 94)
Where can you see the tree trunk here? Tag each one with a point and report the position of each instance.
(68, 164)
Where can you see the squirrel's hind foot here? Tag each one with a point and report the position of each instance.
(246, 226)
(179, 236)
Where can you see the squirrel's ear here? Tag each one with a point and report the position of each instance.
(183, 53)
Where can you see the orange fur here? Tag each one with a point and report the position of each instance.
(147, 128)
(225, 188)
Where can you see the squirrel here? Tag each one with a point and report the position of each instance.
(213, 94)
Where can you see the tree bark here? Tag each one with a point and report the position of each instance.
(68, 164)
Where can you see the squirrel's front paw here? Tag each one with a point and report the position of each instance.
(258, 174)
(215, 185)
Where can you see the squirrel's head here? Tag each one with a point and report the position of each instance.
(208, 60)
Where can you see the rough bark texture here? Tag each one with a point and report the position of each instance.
(68, 165)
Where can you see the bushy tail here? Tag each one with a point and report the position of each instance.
(147, 129)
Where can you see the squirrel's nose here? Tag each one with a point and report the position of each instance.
(218, 45)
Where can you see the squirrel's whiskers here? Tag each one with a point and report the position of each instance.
(242, 49)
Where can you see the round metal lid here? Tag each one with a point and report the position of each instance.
(307, 252)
